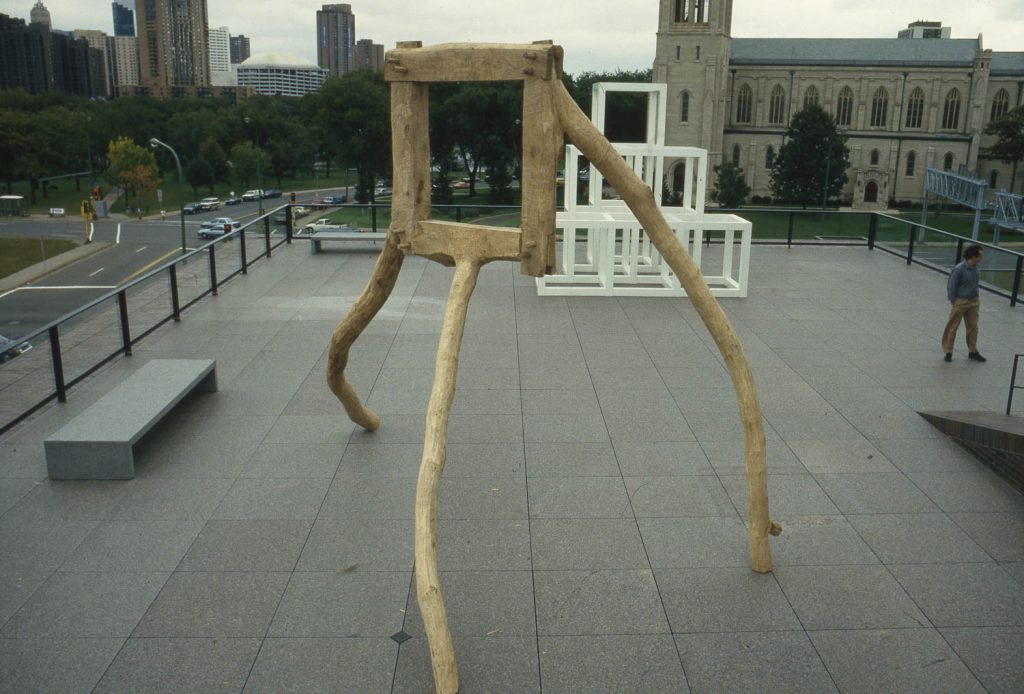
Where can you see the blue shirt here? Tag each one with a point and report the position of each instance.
(963, 282)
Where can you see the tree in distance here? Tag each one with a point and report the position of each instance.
(131, 167)
(731, 189)
(812, 163)
(1009, 146)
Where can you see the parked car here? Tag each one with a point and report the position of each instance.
(272, 193)
(192, 208)
(9, 349)
(209, 204)
(335, 199)
(254, 194)
(217, 227)
(325, 224)
(233, 200)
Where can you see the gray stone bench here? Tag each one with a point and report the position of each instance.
(319, 237)
(97, 444)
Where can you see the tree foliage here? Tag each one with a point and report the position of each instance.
(355, 116)
(132, 167)
(1009, 145)
(248, 164)
(813, 158)
(731, 189)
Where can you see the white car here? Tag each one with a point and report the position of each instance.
(252, 195)
(217, 227)
(208, 204)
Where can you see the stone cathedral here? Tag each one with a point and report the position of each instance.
(919, 100)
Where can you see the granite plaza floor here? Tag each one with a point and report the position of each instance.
(592, 512)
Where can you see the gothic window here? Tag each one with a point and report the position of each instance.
(915, 108)
(844, 107)
(684, 107)
(810, 97)
(911, 163)
(951, 110)
(743, 104)
(873, 160)
(777, 106)
(736, 155)
(769, 157)
(879, 107)
(682, 13)
(947, 162)
(993, 179)
(1000, 105)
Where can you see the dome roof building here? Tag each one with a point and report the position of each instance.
(280, 74)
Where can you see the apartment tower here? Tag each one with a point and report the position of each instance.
(173, 45)
(335, 39)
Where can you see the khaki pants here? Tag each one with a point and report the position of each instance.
(966, 309)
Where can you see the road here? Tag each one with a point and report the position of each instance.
(135, 246)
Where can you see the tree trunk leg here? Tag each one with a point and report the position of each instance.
(428, 587)
(377, 291)
(640, 200)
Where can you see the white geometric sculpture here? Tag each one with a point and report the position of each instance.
(617, 258)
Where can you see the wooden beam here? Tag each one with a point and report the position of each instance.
(542, 144)
(474, 62)
(410, 159)
(445, 242)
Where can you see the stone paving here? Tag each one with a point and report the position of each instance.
(591, 530)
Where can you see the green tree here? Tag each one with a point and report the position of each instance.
(199, 173)
(625, 113)
(1009, 145)
(248, 163)
(211, 152)
(813, 161)
(131, 167)
(355, 115)
(731, 189)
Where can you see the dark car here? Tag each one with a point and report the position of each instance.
(272, 193)
(233, 200)
(192, 208)
(335, 199)
(9, 349)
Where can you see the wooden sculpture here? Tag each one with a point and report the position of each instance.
(548, 113)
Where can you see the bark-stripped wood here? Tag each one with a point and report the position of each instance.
(474, 62)
(640, 200)
(428, 585)
(542, 145)
(442, 242)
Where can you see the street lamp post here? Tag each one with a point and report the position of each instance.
(154, 143)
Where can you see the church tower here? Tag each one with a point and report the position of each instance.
(692, 58)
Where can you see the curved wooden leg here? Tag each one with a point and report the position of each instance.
(428, 587)
(377, 291)
(640, 200)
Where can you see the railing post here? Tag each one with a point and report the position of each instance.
(241, 248)
(373, 216)
(959, 251)
(789, 232)
(1016, 280)
(213, 270)
(910, 243)
(1013, 382)
(289, 221)
(58, 365)
(126, 334)
(458, 213)
(872, 230)
(175, 301)
(266, 237)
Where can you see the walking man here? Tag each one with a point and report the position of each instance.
(962, 292)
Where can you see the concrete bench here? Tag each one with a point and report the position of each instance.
(97, 444)
(320, 236)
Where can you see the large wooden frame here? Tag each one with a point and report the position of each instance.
(548, 112)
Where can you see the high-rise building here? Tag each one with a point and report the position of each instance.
(124, 20)
(37, 59)
(40, 15)
(369, 55)
(221, 74)
(23, 59)
(240, 50)
(173, 48)
(98, 40)
(335, 39)
(123, 54)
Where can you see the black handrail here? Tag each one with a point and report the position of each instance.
(1013, 382)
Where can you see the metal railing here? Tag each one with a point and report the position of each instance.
(83, 341)
(86, 339)
(1013, 382)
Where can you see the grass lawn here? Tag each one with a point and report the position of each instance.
(18, 254)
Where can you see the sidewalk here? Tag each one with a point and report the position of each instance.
(591, 533)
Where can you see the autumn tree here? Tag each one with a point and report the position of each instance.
(132, 167)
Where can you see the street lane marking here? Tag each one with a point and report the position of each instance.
(142, 249)
(144, 268)
(97, 271)
(70, 286)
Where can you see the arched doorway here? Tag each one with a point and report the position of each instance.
(871, 192)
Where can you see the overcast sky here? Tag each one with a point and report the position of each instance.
(597, 35)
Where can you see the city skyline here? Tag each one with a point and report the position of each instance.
(591, 41)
